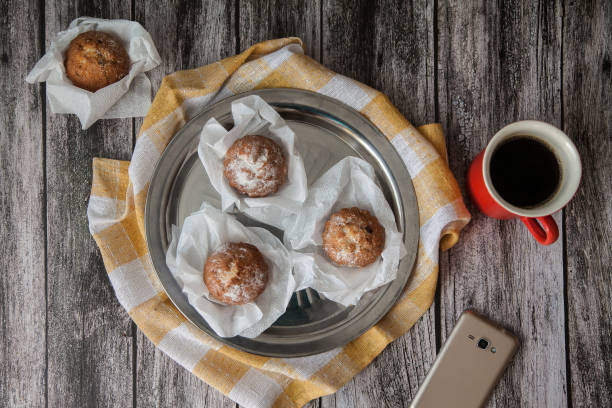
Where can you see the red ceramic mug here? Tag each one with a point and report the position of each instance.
(537, 218)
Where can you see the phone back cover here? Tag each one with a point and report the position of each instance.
(464, 375)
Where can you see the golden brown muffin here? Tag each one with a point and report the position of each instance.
(236, 273)
(255, 166)
(96, 59)
(353, 237)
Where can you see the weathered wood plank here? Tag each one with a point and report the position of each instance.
(22, 210)
(495, 66)
(587, 108)
(389, 46)
(89, 337)
(187, 35)
(498, 64)
(265, 20)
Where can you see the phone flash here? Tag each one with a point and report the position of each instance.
(493, 349)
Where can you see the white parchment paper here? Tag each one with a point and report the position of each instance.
(129, 97)
(252, 115)
(203, 232)
(349, 183)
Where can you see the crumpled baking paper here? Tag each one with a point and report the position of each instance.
(129, 97)
(349, 183)
(252, 115)
(203, 232)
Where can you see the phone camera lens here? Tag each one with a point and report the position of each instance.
(483, 344)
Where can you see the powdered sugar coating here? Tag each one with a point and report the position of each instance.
(353, 237)
(236, 273)
(255, 165)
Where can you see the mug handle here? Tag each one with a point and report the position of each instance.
(543, 229)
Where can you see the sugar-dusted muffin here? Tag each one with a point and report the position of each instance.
(96, 59)
(353, 237)
(255, 166)
(236, 273)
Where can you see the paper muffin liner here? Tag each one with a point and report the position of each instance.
(201, 234)
(349, 183)
(128, 97)
(252, 115)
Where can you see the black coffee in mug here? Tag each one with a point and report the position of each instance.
(525, 172)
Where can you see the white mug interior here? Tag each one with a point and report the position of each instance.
(563, 148)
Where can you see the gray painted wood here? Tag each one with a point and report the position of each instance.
(22, 211)
(389, 46)
(187, 35)
(474, 66)
(89, 337)
(498, 65)
(587, 109)
(267, 19)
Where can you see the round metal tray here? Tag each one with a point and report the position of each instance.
(326, 131)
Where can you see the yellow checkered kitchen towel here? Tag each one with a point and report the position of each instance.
(117, 202)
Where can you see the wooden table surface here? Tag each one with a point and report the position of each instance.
(473, 66)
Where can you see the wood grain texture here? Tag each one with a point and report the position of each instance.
(587, 96)
(389, 46)
(475, 66)
(187, 34)
(499, 64)
(22, 220)
(89, 337)
(268, 19)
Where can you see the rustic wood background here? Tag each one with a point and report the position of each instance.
(474, 66)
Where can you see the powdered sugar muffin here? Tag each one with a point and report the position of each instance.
(236, 273)
(255, 166)
(353, 237)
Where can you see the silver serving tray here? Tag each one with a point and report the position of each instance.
(326, 131)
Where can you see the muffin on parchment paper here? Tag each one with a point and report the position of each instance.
(353, 237)
(96, 59)
(255, 166)
(236, 273)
